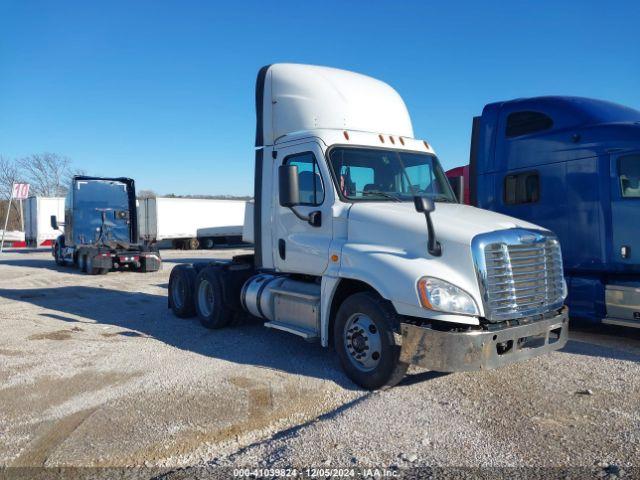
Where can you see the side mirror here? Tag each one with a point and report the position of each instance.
(424, 204)
(54, 222)
(288, 185)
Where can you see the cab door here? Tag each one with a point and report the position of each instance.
(625, 208)
(300, 247)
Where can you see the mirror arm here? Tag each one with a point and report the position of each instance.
(299, 215)
(433, 245)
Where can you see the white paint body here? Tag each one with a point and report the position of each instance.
(182, 218)
(384, 244)
(37, 219)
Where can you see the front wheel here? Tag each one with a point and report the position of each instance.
(364, 339)
(57, 255)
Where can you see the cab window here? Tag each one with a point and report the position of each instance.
(521, 188)
(629, 174)
(309, 179)
(525, 123)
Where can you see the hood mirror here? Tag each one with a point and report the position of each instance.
(426, 205)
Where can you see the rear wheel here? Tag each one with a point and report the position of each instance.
(90, 269)
(209, 299)
(192, 244)
(364, 340)
(82, 262)
(181, 291)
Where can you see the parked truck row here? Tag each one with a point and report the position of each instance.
(185, 223)
(361, 244)
(571, 165)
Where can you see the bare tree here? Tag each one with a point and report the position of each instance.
(48, 173)
(9, 174)
(142, 194)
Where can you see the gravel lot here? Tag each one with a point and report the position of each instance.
(95, 371)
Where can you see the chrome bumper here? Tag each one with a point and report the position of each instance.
(479, 350)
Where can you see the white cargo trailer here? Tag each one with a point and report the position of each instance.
(37, 220)
(191, 222)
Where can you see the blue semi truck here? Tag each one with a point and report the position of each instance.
(571, 165)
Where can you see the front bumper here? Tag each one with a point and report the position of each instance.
(452, 351)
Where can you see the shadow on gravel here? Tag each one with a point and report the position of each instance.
(142, 313)
(40, 263)
(592, 350)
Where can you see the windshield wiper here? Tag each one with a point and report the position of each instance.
(438, 197)
(382, 194)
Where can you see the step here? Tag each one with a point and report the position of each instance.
(302, 332)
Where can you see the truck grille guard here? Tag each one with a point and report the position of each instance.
(519, 272)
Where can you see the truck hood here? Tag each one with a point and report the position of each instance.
(386, 246)
(399, 225)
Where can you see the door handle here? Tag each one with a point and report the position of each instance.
(282, 248)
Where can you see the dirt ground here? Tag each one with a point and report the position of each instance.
(96, 371)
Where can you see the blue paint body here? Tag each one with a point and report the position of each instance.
(580, 194)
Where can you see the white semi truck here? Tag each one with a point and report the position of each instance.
(360, 243)
(191, 223)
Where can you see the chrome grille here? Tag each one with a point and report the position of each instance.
(520, 272)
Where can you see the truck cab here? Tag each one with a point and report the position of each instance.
(101, 228)
(360, 243)
(572, 165)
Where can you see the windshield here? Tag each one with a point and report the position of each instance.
(391, 175)
(97, 198)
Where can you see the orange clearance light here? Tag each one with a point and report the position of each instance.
(334, 258)
(401, 140)
(392, 140)
(381, 138)
(346, 135)
(422, 291)
(425, 143)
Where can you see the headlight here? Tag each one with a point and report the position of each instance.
(436, 294)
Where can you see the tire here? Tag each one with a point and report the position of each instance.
(144, 268)
(192, 244)
(208, 243)
(58, 255)
(90, 269)
(212, 310)
(82, 262)
(364, 340)
(182, 282)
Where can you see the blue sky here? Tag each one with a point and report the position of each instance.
(162, 91)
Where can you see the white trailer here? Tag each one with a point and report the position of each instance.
(37, 220)
(191, 223)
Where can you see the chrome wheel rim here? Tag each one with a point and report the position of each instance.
(363, 342)
(178, 292)
(205, 298)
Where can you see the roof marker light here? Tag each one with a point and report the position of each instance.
(401, 140)
(381, 138)
(346, 135)
(392, 140)
(426, 144)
